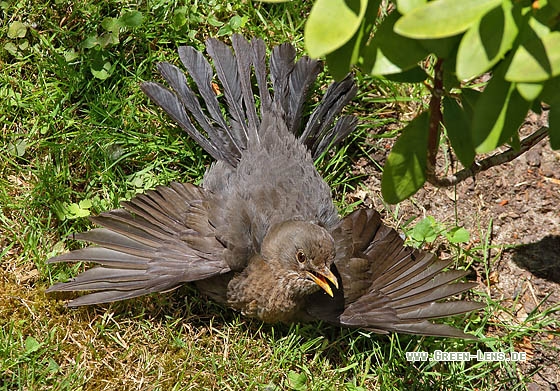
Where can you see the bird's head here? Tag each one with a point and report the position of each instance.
(305, 253)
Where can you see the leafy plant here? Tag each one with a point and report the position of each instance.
(448, 45)
(18, 43)
(100, 64)
(429, 229)
(74, 210)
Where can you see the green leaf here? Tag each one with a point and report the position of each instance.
(21, 146)
(426, 230)
(389, 53)
(551, 96)
(297, 381)
(458, 126)
(550, 91)
(555, 4)
(74, 211)
(469, 99)
(537, 59)
(180, 17)
(405, 170)
(442, 47)
(331, 24)
(443, 18)
(486, 42)
(224, 30)
(131, 19)
(85, 204)
(108, 39)
(70, 55)
(515, 142)
(538, 28)
(458, 235)
(31, 345)
(405, 6)
(348, 386)
(53, 366)
(90, 41)
(17, 30)
(340, 60)
(529, 91)
(111, 24)
(554, 126)
(11, 48)
(450, 81)
(236, 22)
(499, 112)
(102, 73)
(214, 22)
(414, 75)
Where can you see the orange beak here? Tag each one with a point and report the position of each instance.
(322, 279)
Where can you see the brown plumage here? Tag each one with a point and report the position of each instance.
(262, 234)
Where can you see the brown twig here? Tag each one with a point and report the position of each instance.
(435, 119)
(491, 161)
(434, 130)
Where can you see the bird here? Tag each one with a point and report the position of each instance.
(261, 234)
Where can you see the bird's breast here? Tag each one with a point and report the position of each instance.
(264, 293)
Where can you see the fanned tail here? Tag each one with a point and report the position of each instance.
(225, 137)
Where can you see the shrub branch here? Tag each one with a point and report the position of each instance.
(491, 161)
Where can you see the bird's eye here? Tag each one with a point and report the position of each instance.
(300, 256)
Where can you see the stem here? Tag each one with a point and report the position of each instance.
(435, 120)
(491, 161)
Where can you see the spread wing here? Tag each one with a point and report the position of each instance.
(386, 287)
(156, 242)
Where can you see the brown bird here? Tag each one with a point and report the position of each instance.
(262, 234)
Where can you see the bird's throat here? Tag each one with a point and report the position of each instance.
(263, 292)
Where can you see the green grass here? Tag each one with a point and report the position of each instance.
(74, 143)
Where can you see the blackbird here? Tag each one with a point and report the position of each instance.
(261, 234)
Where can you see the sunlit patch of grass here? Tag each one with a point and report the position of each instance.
(72, 138)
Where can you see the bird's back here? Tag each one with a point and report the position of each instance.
(275, 180)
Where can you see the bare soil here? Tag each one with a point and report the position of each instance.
(519, 201)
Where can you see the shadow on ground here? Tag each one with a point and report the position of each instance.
(541, 258)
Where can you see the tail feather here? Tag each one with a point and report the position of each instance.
(281, 66)
(226, 65)
(337, 96)
(259, 62)
(201, 72)
(244, 53)
(100, 278)
(175, 109)
(109, 296)
(431, 295)
(115, 241)
(433, 282)
(291, 82)
(177, 80)
(344, 126)
(301, 79)
(411, 274)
